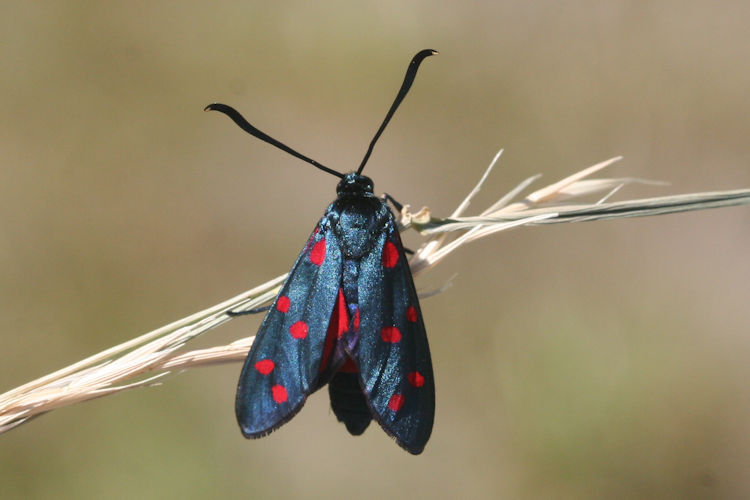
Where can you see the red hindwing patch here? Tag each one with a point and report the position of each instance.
(356, 320)
(342, 318)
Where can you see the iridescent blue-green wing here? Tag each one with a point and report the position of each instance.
(283, 365)
(394, 356)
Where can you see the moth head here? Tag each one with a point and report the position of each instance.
(354, 184)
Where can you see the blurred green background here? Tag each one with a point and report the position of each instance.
(598, 360)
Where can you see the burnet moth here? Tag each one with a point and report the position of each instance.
(347, 316)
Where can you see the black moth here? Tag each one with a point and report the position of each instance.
(347, 315)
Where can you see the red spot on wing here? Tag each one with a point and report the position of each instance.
(411, 314)
(390, 255)
(415, 379)
(356, 319)
(318, 252)
(278, 392)
(298, 330)
(264, 366)
(390, 334)
(396, 402)
(283, 304)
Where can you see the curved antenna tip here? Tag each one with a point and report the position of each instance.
(411, 73)
(422, 54)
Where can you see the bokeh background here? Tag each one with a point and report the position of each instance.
(597, 360)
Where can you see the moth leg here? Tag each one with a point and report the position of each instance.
(398, 206)
(256, 310)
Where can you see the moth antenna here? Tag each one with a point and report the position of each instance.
(411, 73)
(245, 125)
